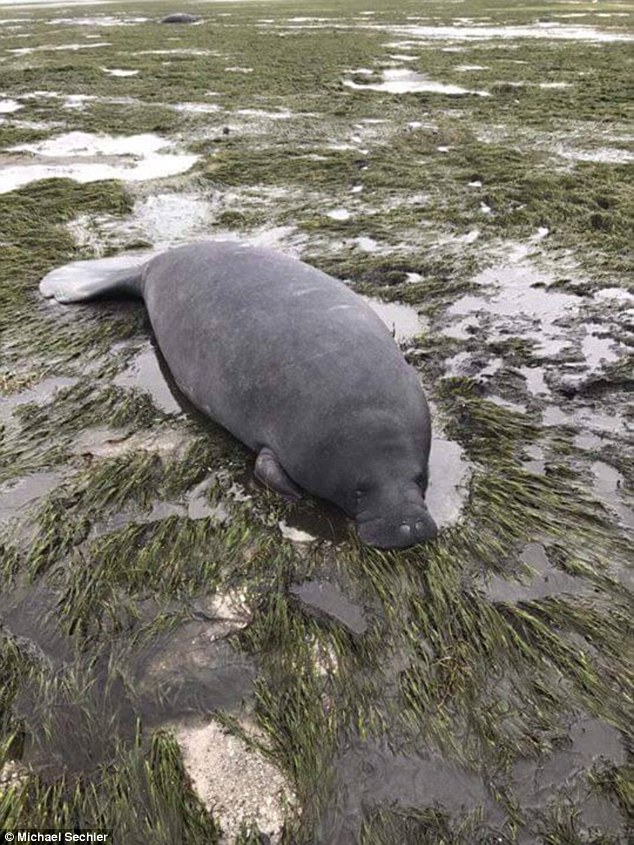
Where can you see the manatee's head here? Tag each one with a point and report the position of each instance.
(385, 495)
(391, 513)
(375, 468)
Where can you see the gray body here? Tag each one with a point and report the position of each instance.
(296, 366)
(180, 17)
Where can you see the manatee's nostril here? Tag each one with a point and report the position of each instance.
(428, 530)
(405, 530)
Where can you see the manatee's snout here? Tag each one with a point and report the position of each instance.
(398, 532)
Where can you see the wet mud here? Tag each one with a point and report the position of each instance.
(163, 617)
(538, 579)
(327, 600)
(372, 776)
(190, 669)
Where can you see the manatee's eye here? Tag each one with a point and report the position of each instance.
(421, 480)
(360, 491)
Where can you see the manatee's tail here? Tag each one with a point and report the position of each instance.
(84, 280)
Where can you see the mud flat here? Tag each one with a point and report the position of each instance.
(184, 656)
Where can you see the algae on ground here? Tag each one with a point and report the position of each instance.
(107, 564)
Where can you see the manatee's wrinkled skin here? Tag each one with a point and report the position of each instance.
(296, 366)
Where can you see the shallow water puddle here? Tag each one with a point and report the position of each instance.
(17, 496)
(87, 144)
(86, 157)
(194, 505)
(146, 373)
(10, 106)
(200, 507)
(507, 403)
(285, 238)
(366, 244)
(339, 214)
(536, 461)
(194, 669)
(554, 85)
(597, 349)
(535, 381)
(403, 321)
(588, 419)
(74, 101)
(520, 303)
(370, 776)
(326, 599)
(362, 71)
(462, 364)
(196, 108)
(39, 394)
(102, 442)
(542, 580)
(405, 81)
(449, 471)
(280, 114)
(164, 220)
(591, 741)
(102, 20)
(619, 294)
(601, 155)
(23, 51)
(608, 483)
(312, 20)
(119, 72)
(587, 441)
(29, 611)
(179, 51)
(169, 219)
(549, 31)
(172, 218)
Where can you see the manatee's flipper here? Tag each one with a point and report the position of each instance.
(269, 471)
(84, 280)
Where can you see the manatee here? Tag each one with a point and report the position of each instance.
(295, 365)
(181, 17)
